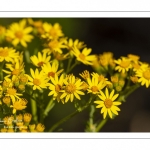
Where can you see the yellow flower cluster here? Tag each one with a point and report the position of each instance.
(20, 124)
(44, 73)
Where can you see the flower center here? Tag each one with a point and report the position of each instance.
(4, 52)
(53, 32)
(17, 105)
(94, 88)
(70, 88)
(57, 88)
(15, 72)
(52, 74)
(11, 91)
(19, 34)
(125, 64)
(108, 103)
(146, 74)
(36, 82)
(82, 56)
(40, 64)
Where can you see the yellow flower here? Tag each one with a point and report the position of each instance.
(70, 44)
(72, 88)
(52, 32)
(19, 33)
(94, 85)
(40, 60)
(32, 128)
(139, 65)
(107, 103)
(38, 25)
(106, 59)
(16, 69)
(55, 46)
(8, 120)
(144, 76)
(27, 117)
(50, 70)
(19, 104)
(101, 78)
(8, 54)
(37, 80)
(124, 64)
(6, 100)
(4, 130)
(40, 127)
(85, 74)
(56, 87)
(134, 58)
(60, 57)
(12, 92)
(84, 56)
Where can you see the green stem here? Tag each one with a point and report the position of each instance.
(62, 121)
(48, 108)
(72, 67)
(69, 64)
(101, 124)
(27, 56)
(92, 110)
(69, 116)
(1, 71)
(34, 110)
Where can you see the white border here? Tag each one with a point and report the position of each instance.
(75, 5)
(72, 14)
(64, 135)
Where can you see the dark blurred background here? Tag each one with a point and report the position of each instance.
(120, 36)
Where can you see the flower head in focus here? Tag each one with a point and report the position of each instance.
(84, 56)
(72, 89)
(40, 60)
(107, 103)
(38, 81)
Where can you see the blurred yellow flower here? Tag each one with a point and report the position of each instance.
(123, 64)
(8, 54)
(52, 32)
(19, 33)
(55, 46)
(70, 44)
(144, 76)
